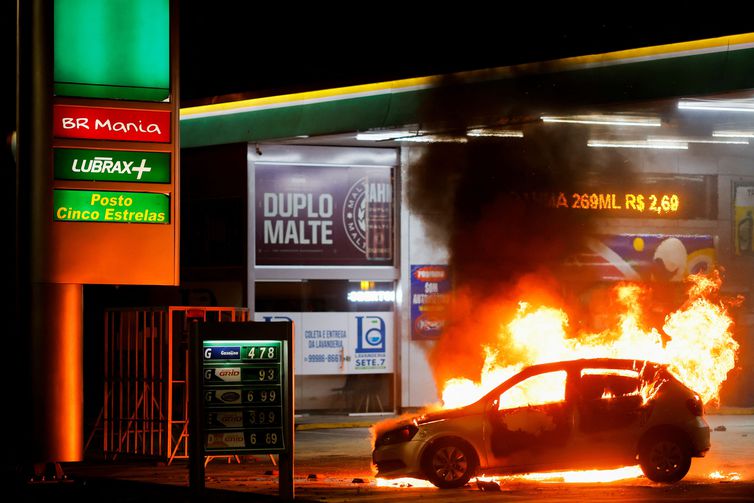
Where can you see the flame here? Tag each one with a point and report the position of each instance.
(582, 476)
(569, 477)
(403, 482)
(697, 344)
(731, 476)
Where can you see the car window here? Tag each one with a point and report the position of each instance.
(606, 384)
(536, 390)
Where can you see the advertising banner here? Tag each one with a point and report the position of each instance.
(323, 215)
(641, 257)
(743, 222)
(341, 343)
(648, 196)
(430, 296)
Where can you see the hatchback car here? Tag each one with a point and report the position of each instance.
(595, 414)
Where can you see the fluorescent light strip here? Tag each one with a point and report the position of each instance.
(733, 134)
(670, 139)
(606, 120)
(382, 136)
(429, 138)
(500, 133)
(636, 144)
(717, 106)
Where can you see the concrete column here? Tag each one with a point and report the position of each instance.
(57, 372)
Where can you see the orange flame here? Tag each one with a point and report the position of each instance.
(697, 344)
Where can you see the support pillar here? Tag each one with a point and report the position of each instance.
(57, 372)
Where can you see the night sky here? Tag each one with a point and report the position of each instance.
(231, 46)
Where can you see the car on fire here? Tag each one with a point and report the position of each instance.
(595, 414)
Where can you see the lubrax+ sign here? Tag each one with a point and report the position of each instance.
(112, 165)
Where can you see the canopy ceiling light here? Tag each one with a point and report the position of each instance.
(680, 139)
(495, 132)
(433, 138)
(606, 120)
(717, 105)
(385, 135)
(637, 144)
(733, 134)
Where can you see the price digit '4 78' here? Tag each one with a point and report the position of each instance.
(261, 353)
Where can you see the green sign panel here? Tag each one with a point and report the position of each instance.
(109, 206)
(243, 396)
(113, 49)
(112, 165)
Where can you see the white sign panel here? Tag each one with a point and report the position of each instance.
(325, 343)
(340, 343)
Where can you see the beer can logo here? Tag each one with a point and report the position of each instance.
(354, 215)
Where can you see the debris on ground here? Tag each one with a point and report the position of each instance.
(487, 485)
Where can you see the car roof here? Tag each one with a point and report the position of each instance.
(604, 363)
(574, 365)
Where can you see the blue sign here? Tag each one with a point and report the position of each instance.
(430, 295)
(370, 334)
(222, 353)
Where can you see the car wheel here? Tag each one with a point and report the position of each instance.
(664, 458)
(449, 463)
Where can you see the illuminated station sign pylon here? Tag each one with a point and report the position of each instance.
(114, 186)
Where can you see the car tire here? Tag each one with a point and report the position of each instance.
(449, 463)
(665, 458)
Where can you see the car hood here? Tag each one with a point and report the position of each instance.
(440, 415)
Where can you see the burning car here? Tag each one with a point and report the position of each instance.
(580, 414)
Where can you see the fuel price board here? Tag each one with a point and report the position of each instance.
(241, 389)
(243, 396)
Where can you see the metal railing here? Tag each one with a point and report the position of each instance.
(145, 411)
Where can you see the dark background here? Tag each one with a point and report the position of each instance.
(231, 46)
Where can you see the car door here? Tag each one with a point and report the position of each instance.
(609, 414)
(528, 425)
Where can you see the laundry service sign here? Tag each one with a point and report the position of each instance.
(335, 343)
(323, 215)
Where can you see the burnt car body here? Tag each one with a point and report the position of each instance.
(601, 413)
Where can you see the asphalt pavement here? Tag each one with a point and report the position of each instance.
(332, 463)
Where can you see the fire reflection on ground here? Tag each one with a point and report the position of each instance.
(569, 477)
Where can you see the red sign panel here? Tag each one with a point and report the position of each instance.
(101, 123)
